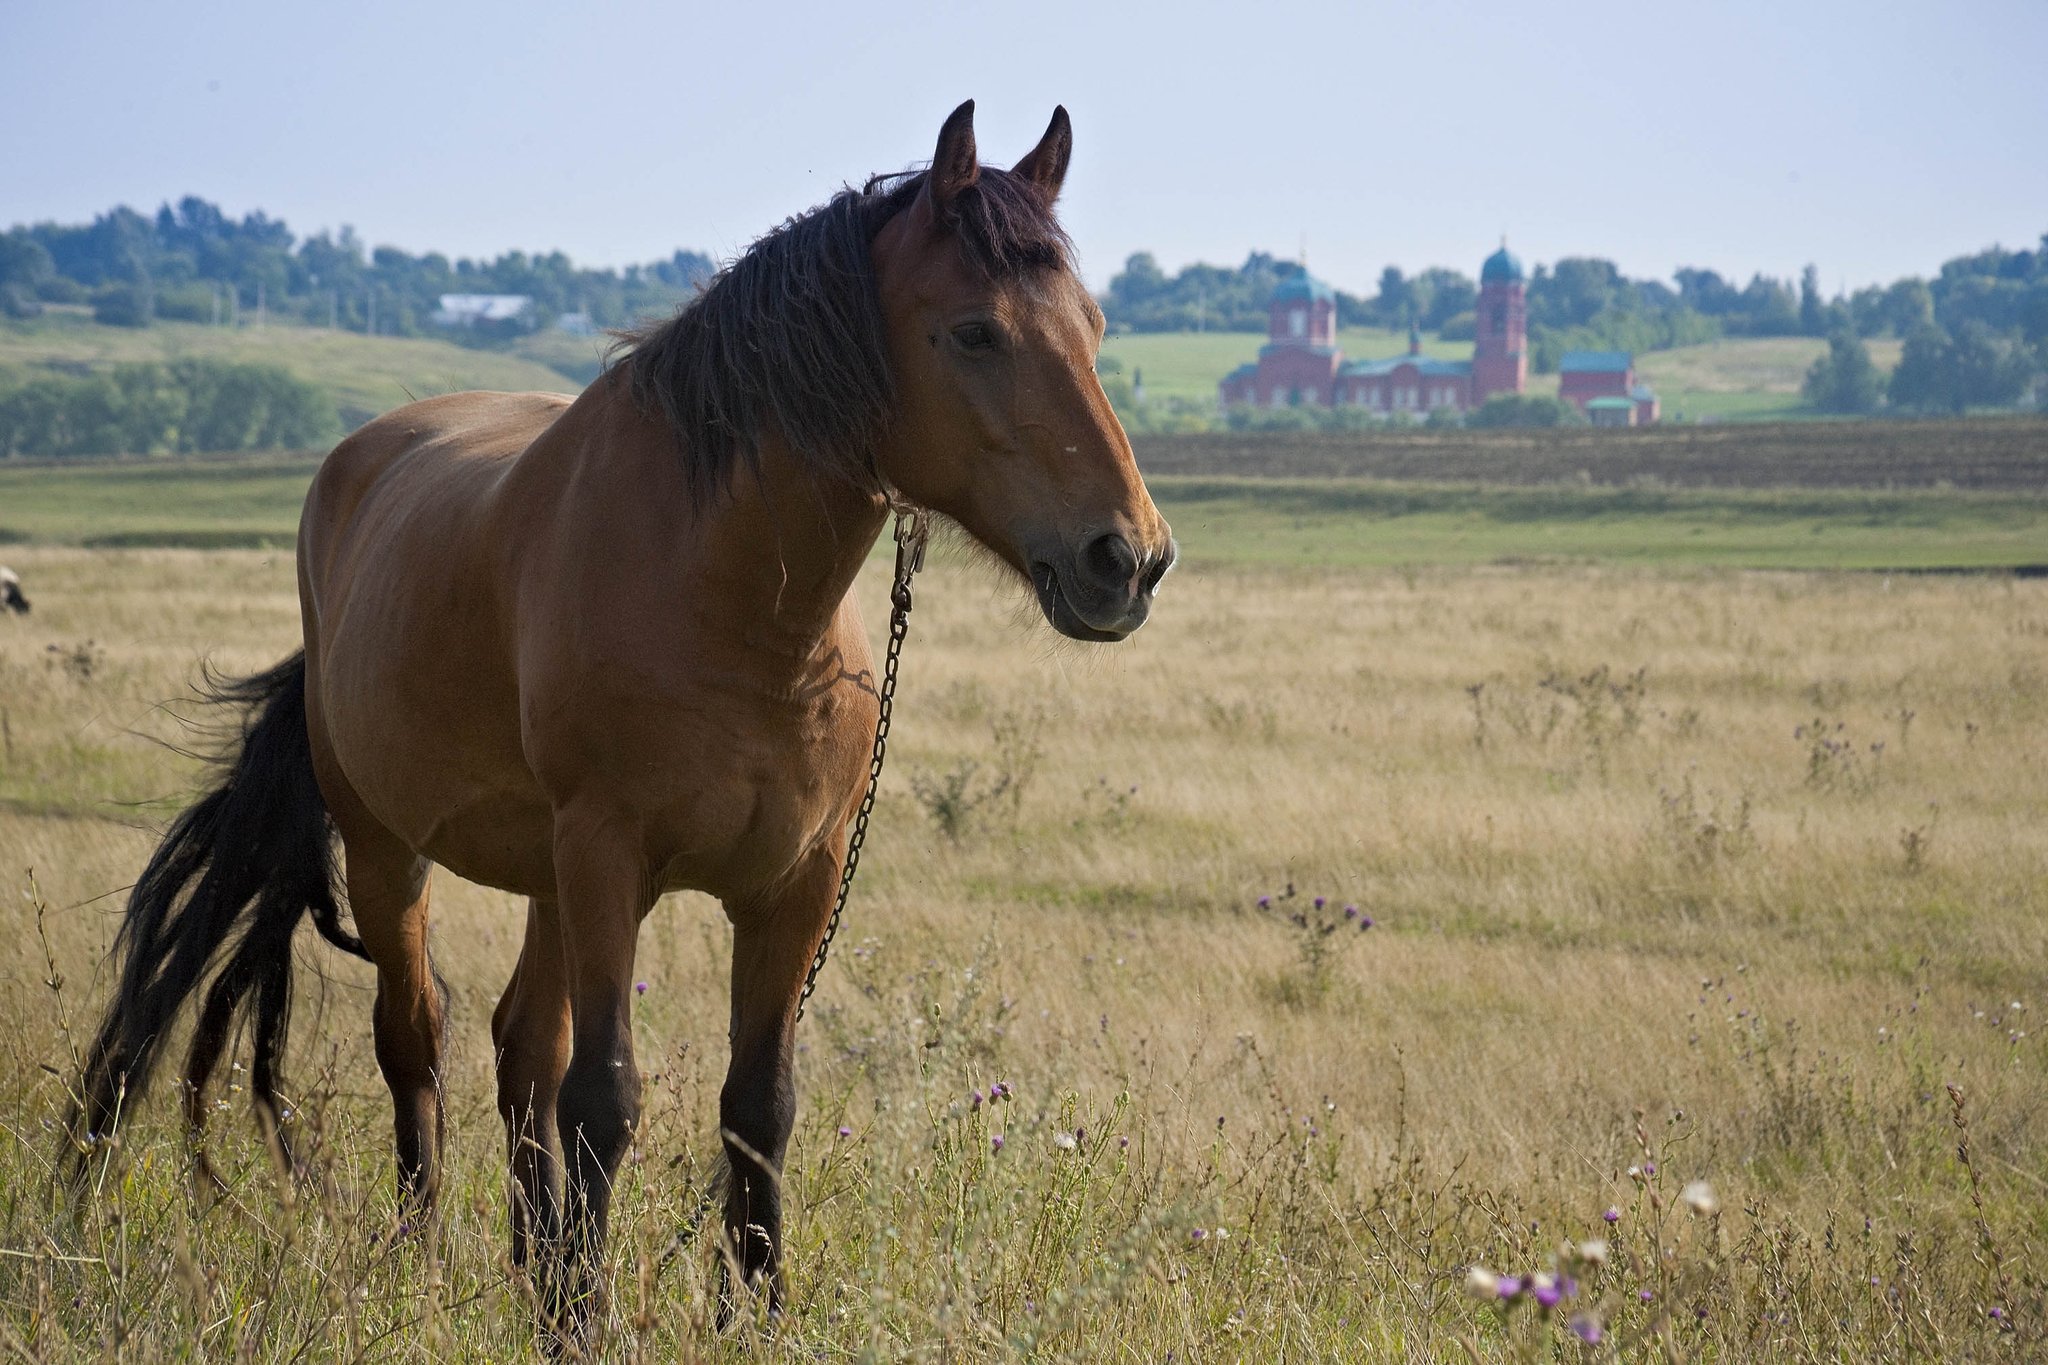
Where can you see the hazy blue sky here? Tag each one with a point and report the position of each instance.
(1873, 138)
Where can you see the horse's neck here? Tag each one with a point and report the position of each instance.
(788, 544)
(766, 562)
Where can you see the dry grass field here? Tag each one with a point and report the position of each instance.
(1671, 877)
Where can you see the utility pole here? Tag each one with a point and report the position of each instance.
(259, 305)
(216, 302)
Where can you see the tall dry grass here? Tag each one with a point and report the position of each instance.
(1717, 877)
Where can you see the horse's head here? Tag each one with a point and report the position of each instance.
(1000, 422)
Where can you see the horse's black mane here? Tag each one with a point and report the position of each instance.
(791, 333)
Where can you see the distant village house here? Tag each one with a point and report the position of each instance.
(472, 310)
(1602, 384)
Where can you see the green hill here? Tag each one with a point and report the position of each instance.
(365, 375)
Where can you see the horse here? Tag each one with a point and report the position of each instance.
(593, 651)
(10, 591)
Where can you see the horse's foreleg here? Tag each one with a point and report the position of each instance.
(530, 1029)
(774, 938)
(604, 892)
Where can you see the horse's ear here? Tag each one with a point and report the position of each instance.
(955, 165)
(1046, 164)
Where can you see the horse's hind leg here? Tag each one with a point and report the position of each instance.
(531, 1031)
(388, 895)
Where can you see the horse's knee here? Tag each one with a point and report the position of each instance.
(598, 1108)
(757, 1106)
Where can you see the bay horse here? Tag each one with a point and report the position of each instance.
(593, 651)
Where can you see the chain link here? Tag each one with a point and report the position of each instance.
(913, 528)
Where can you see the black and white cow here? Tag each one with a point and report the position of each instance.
(10, 591)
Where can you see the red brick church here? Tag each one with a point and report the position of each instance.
(1300, 364)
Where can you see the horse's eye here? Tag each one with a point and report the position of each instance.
(975, 336)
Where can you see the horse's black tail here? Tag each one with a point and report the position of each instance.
(255, 854)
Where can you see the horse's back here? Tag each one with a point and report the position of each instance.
(452, 437)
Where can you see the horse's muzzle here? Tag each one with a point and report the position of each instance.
(1102, 592)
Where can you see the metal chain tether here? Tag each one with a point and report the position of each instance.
(913, 528)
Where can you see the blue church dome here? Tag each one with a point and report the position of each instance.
(1303, 286)
(1502, 267)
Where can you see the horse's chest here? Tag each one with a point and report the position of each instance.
(741, 794)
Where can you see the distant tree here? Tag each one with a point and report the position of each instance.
(1844, 380)
(125, 305)
(1925, 377)
(1705, 292)
(1573, 291)
(1812, 312)
(25, 266)
(1139, 282)
(1991, 370)
(1770, 308)
(1975, 367)
(1908, 307)
(1395, 304)
(1449, 293)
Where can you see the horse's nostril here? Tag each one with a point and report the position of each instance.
(1109, 560)
(1160, 565)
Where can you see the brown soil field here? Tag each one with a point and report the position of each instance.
(1986, 453)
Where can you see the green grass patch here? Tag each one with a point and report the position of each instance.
(1330, 523)
(208, 504)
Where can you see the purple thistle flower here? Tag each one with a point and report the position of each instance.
(1549, 1295)
(1198, 1234)
(1510, 1287)
(1350, 912)
(845, 1131)
(640, 987)
(1645, 1295)
(1586, 1329)
(1613, 1215)
(1265, 902)
(1997, 1314)
(1364, 923)
(1649, 1168)
(995, 1143)
(1080, 1133)
(977, 1099)
(1320, 902)
(1123, 1144)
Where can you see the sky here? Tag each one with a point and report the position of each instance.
(1873, 139)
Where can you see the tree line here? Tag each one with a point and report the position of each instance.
(194, 263)
(185, 406)
(1976, 333)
